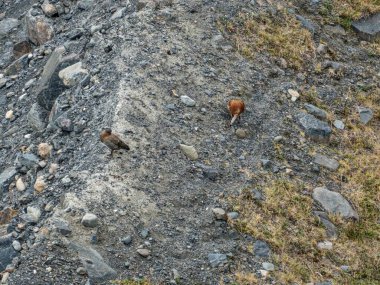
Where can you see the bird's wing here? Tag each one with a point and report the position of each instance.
(115, 140)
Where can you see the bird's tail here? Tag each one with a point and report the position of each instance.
(234, 119)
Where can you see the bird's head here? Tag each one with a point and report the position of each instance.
(107, 130)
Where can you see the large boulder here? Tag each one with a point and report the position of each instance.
(38, 29)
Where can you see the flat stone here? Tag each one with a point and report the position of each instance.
(325, 245)
(28, 160)
(6, 177)
(62, 227)
(118, 14)
(189, 151)
(317, 130)
(219, 214)
(50, 86)
(99, 272)
(334, 202)
(368, 28)
(324, 161)
(307, 24)
(331, 229)
(73, 74)
(16, 66)
(319, 113)
(365, 114)
(338, 124)
(261, 249)
(233, 215)
(217, 259)
(144, 252)
(90, 220)
(7, 25)
(187, 101)
(38, 28)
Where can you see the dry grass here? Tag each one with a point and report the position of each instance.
(345, 11)
(286, 222)
(131, 282)
(281, 36)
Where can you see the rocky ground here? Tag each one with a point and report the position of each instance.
(160, 74)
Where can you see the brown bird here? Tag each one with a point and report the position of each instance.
(112, 141)
(236, 107)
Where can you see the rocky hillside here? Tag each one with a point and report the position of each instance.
(287, 195)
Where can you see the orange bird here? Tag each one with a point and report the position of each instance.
(112, 141)
(236, 107)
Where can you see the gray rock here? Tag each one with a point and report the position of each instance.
(210, 172)
(90, 220)
(334, 202)
(314, 128)
(16, 66)
(144, 252)
(257, 195)
(62, 227)
(331, 229)
(3, 82)
(324, 283)
(127, 240)
(233, 215)
(7, 25)
(187, 101)
(319, 113)
(98, 271)
(365, 114)
(7, 253)
(144, 233)
(266, 163)
(38, 28)
(37, 118)
(73, 74)
(337, 30)
(217, 259)
(16, 245)
(65, 124)
(6, 177)
(219, 214)
(338, 124)
(268, 266)
(368, 28)
(50, 85)
(85, 4)
(28, 160)
(324, 161)
(189, 151)
(118, 14)
(325, 245)
(261, 249)
(307, 24)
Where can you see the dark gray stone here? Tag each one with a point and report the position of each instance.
(331, 229)
(7, 253)
(307, 24)
(62, 227)
(365, 114)
(210, 173)
(265, 163)
(28, 160)
(317, 130)
(50, 85)
(319, 113)
(37, 117)
(98, 271)
(217, 259)
(324, 161)
(334, 202)
(6, 177)
(368, 28)
(90, 220)
(261, 249)
(127, 240)
(16, 66)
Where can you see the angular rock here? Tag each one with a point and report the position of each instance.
(16, 66)
(307, 24)
(368, 28)
(219, 214)
(73, 74)
(7, 253)
(32, 215)
(50, 85)
(28, 160)
(338, 124)
(365, 114)
(187, 101)
(62, 227)
(331, 229)
(314, 128)
(98, 271)
(21, 49)
(334, 202)
(294, 93)
(217, 259)
(7, 25)
(38, 29)
(49, 9)
(324, 161)
(85, 4)
(37, 117)
(261, 249)
(319, 113)
(90, 220)
(6, 177)
(6, 215)
(118, 14)
(189, 151)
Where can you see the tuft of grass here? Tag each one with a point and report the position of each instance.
(281, 36)
(346, 11)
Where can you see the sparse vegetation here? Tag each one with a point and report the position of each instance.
(281, 36)
(131, 282)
